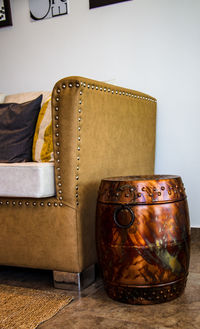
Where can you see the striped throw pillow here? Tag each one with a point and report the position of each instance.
(42, 150)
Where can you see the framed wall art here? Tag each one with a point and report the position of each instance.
(42, 9)
(100, 3)
(5, 13)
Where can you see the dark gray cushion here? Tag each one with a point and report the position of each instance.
(17, 127)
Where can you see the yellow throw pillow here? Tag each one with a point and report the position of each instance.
(42, 150)
(2, 97)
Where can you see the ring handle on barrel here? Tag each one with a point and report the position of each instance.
(116, 212)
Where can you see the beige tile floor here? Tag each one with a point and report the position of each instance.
(94, 309)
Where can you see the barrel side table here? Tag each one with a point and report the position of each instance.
(143, 238)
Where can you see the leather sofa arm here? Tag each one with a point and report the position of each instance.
(99, 130)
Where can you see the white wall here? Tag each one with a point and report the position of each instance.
(148, 45)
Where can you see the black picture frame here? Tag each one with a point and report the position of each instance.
(6, 11)
(100, 3)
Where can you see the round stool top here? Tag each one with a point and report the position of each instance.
(147, 189)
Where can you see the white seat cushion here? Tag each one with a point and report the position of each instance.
(27, 179)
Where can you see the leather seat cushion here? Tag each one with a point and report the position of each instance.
(29, 179)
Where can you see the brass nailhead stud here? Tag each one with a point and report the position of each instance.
(60, 204)
(42, 204)
(64, 86)
(60, 198)
(162, 188)
(7, 202)
(27, 203)
(34, 204)
(70, 85)
(58, 90)
(57, 99)
(56, 108)
(55, 204)
(19, 203)
(14, 203)
(49, 204)
(77, 84)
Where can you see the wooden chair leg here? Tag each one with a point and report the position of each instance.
(74, 281)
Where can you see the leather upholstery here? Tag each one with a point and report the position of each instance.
(99, 130)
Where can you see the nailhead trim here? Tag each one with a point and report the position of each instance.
(59, 90)
(26, 203)
(118, 92)
(79, 120)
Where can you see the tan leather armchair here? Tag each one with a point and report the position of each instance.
(99, 130)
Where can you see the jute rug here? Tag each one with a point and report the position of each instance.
(24, 308)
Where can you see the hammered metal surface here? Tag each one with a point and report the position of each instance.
(142, 189)
(152, 253)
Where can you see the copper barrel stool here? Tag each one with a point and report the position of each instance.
(143, 238)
